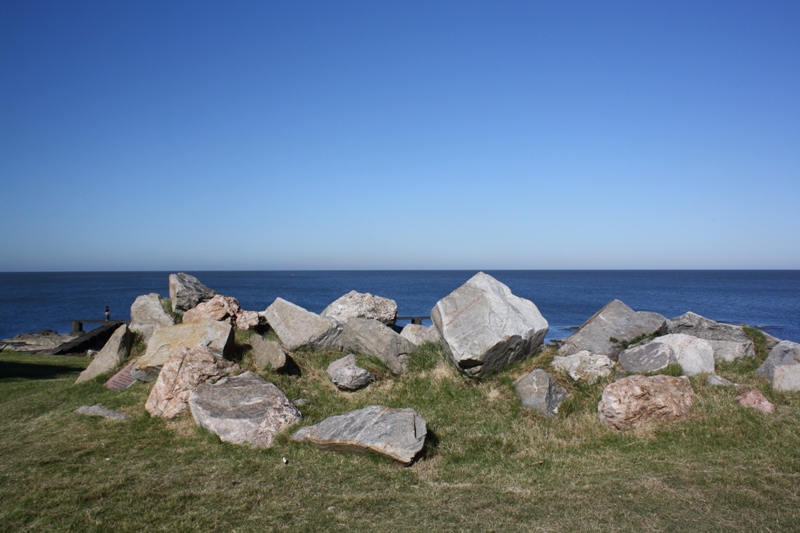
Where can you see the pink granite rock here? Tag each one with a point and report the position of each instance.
(756, 400)
(222, 309)
(636, 401)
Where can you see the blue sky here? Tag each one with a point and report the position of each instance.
(196, 135)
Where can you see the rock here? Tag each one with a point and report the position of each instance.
(370, 337)
(584, 366)
(269, 354)
(782, 366)
(99, 410)
(419, 335)
(115, 351)
(635, 401)
(362, 305)
(41, 341)
(222, 309)
(148, 315)
(756, 400)
(484, 327)
(718, 381)
(539, 392)
(396, 433)
(728, 341)
(186, 292)
(771, 341)
(693, 354)
(298, 328)
(243, 408)
(348, 376)
(648, 357)
(218, 336)
(186, 369)
(122, 379)
(614, 321)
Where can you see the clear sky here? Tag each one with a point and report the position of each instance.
(139, 135)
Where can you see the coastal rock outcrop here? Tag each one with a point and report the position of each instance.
(347, 375)
(115, 351)
(419, 334)
(484, 327)
(636, 401)
(362, 305)
(538, 391)
(370, 337)
(299, 328)
(148, 315)
(728, 341)
(782, 366)
(584, 366)
(222, 309)
(186, 292)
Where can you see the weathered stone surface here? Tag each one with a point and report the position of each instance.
(420, 334)
(484, 327)
(728, 341)
(539, 392)
(635, 401)
(362, 305)
(782, 366)
(218, 336)
(269, 354)
(718, 381)
(186, 369)
(186, 291)
(148, 315)
(756, 400)
(370, 337)
(648, 357)
(243, 409)
(122, 379)
(222, 309)
(348, 376)
(771, 341)
(41, 341)
(693, 354)
(116, 350)
(99, 410)
(298, 328)
(618, 321)
(396, 433)
(584, 366)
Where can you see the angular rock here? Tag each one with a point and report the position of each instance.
(99, 410)
(718, 381)
(484, 327)
(756, 400)
(222, 309)
(782, 366)
(539, 392)
(148, 315)
(298, 328)
(348, 376)
(584, 366)
(648, 357)
(614, 321)
(370, 337)
(728, 341)
(771, 341)
(269, 354)
(419, 334)
(636, 401)
(186, 292)
(218, 336)
(115, 351)
(396, 433)
(186, 369)
(693, 354)
(362, 305)
(243, 409)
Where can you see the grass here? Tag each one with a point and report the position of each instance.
(489, 464)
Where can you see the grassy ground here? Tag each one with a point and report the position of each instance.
(489, 465)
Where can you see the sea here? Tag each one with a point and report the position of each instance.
(768, 299)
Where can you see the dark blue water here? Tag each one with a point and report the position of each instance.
(35, 301)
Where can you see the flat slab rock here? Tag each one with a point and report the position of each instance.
(636, 401)
(395, 433)
(99, 410)
(243, 409)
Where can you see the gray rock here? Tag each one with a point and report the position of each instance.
(693, 354)
(370, 337)
(348, 376)
(419, 334)
(298, 328)
(649, 357)
(718, 381)
(269, 354)
(484, 327)
(41, 341)
(771, 341)
(618, 321)
(584, 366)
(539, 392)
(396, 433)
(148, 315)
(115, 351)
(243, 409)
(186, 292)
(782, 366)
(362, 305)
(99, 410)
(728, 341)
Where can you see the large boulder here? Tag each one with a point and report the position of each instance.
(396, 433)
(347, 375)
(782, 366)
(538, 391)
(362, 305)
(243, 409)
(186, 292)
(148, 315)
(186, 369)
(299, 328)
(693, 354)
(419, 334)
(728, 341)
(484, 327)
(614, 321)
(115, 351)
(584, 366)
(370, 337)
(222, 309)
(636, 401)
(217, 336)
(270, 354)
